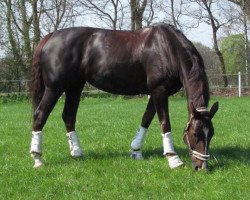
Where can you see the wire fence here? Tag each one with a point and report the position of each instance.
(9, 87)
(237, 84)
(216, 83)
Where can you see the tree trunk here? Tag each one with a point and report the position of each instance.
(173, 14)
(37, 32)
(245, 11)
(244, 4)
(215, 41)
(137, 13)
(13, 43)
(26, 34)
(223, 66)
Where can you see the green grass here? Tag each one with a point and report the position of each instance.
(105, 128)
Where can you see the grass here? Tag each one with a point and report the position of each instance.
(105, 128)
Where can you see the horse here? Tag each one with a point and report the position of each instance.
(157, 60)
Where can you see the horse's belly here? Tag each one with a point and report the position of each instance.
(120, 85)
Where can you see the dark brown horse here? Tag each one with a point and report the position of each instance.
(157, 60)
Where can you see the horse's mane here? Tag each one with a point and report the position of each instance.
(197, 87)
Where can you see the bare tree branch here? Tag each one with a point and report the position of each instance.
(107, 10)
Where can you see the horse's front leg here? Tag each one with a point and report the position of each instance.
(140, 135)
(160, 99)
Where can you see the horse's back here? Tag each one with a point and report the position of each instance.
(122, 62)
(110, 60)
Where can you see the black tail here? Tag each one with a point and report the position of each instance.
(37, 85)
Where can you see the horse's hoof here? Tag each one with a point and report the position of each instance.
(174, 161)
(37, 159)
(77, 153)
(137, 155)
(38, 165)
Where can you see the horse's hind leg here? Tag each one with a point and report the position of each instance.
(40, 117)
(69, 118)
(140, 135)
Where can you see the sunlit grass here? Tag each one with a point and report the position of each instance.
(105, 128)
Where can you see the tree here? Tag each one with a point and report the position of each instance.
(111, 12)
(180, 14)
(22, 23)
(232, 48)
(17, 65)
(137, 9)
(244, 4)
(56, 14)
(36, 22)
(210, 59)
(245, 8)
(212, 18)
(211, 62)
(149, 12)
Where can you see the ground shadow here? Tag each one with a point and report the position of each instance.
(158, 152)
(221, 157)
(107, 154)
(233, 153)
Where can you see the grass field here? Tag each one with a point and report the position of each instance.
(105, 128)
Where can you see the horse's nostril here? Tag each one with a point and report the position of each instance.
(197, 168)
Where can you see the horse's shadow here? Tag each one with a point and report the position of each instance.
(221, 157)
(232, 153)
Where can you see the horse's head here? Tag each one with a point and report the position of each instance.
(198, 133)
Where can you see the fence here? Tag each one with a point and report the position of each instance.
(238, 84)
(19, 87)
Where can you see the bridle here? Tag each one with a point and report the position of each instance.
(196, 154)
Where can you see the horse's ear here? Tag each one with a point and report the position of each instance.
(214, 109)
(192, 110)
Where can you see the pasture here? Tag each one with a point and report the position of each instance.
(105, 128)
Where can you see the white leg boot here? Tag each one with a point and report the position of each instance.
(36, 148)
(168, 149)
(137, 143)
(74, 145)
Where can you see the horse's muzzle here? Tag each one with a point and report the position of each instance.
(200, 165)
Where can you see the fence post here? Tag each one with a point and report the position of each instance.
(239, 84)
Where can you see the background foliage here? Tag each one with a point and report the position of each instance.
(232, 48)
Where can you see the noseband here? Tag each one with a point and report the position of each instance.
(200, 156)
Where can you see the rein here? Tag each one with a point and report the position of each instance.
(200, 156)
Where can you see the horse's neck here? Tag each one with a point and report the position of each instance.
(197, 90)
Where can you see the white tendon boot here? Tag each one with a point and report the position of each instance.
(74, 145)
(168, 148)
(137, 143)
(36, 148)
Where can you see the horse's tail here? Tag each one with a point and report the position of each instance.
(37, 86)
